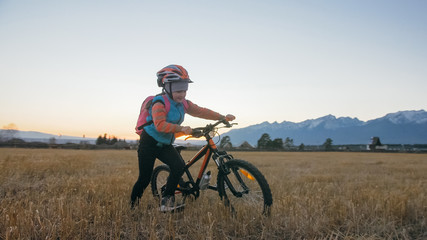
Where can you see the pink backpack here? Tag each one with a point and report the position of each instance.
(144, 113)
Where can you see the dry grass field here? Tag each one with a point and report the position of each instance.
(79, 194)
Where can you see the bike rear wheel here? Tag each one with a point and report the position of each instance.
(244, 189)
(159, 179)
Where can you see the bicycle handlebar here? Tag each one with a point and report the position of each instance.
(201, 131)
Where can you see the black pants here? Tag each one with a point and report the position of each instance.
(148, 151)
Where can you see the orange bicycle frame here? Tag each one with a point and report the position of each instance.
(206, 151)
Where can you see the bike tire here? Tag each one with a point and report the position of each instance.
(159, 179)
(252, 194)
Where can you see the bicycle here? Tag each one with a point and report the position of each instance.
(239, 183)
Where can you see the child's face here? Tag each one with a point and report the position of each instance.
(179, 96)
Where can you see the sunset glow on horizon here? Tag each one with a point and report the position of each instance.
(82, 68)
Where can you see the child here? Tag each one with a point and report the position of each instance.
(157, 138)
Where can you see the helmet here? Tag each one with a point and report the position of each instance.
(172, 73)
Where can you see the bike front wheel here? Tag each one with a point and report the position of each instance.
(244, 189)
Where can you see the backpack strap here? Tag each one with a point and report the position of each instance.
(185, 103)
(167, 104)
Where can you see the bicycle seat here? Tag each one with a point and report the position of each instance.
(179, 147)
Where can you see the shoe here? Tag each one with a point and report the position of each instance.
(168, 204)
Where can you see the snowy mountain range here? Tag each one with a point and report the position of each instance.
(404, 127)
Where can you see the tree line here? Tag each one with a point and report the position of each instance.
(110, 140)
(266, 143)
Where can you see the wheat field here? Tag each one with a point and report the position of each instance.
(84, 194)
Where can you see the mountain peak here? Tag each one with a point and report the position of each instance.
(403, 117)
(331, 122)
(343, 130)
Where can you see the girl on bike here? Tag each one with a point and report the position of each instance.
(157, 138)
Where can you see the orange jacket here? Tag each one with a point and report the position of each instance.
(159, 117)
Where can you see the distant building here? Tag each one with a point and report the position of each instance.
(376, 144)
(246, 146)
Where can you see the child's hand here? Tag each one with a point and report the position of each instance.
(187, 130)
(229, 117)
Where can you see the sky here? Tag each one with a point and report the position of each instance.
(84, 67)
